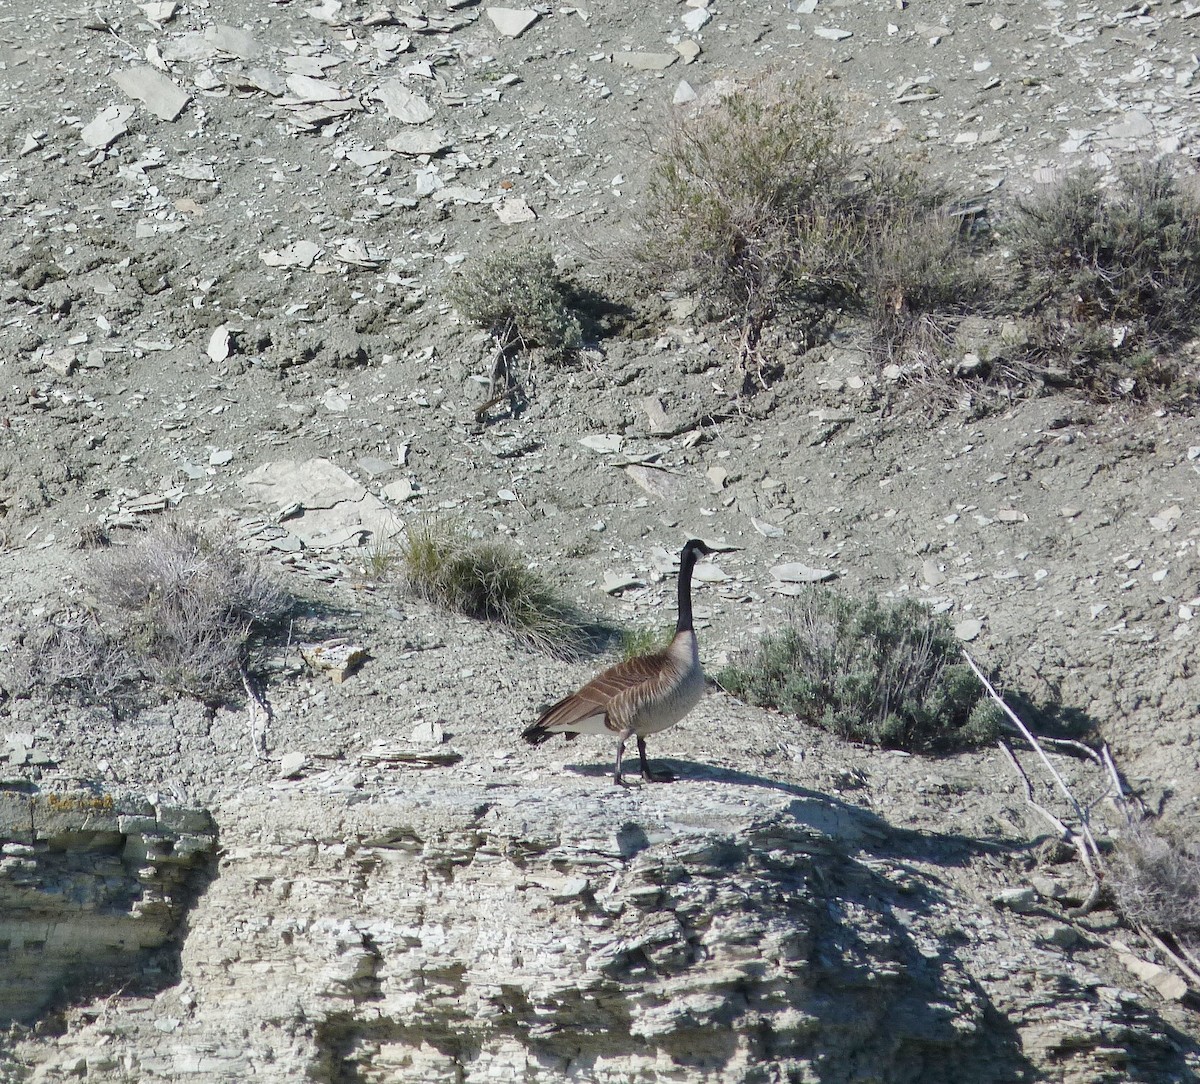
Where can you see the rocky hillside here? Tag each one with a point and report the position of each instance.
(230, 232)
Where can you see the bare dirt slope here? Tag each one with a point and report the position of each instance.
(310, 179)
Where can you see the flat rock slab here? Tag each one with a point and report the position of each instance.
(418, 142)
(335, 509)
(106, 127)
(154, 90)
(658, 483)
(297, 254)
(304, 88)
(235, 42)
(512, 22)
(646, 62)
(403, 104)
(795, 572)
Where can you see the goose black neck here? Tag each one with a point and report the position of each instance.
(687, 561)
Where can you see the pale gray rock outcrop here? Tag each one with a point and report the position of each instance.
(93, 889)
(524, 928)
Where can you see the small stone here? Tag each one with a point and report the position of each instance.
(297, 254)
(1165, 982)
(157, 92)
(1132, 125)
(160, 11)
(683, 93)
(233, 41)
(832, 34)
(107, 127)
(220, 457)
(969, 629)
(613, 584)
(795, 572)
(695, 19)
(514, 211)
(368, 159)
(602, 442)
(767, 530)
(571, 888)
(400, 491)
(418, 142)
(220, 344)
(1165, 520)
(291, 765)
(335, 402)
(339, 657)
(1020, 900)
(427, 733)
(1059, 935)
(62, 362)
(402, 103)
(372, 466)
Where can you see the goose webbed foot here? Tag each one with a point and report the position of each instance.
(648, 774)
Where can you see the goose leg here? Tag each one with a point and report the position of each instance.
(618, 778)
(649, 776)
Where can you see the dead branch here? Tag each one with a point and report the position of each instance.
(260, 716)
(1063, 831)
(1035, 745)
(1191, 974)
(1180, 956)
(502, 383)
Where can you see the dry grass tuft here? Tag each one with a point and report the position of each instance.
(490, 582)
(189, 606)
(762, 206)
(1110, 279)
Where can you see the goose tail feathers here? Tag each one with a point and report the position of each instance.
(536, 733)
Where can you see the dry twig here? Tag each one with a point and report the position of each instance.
(1180, 956)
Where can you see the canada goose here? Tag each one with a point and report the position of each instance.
(640, 696)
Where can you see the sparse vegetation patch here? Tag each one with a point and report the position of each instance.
(490, 582)
(1155, 878)
(519, 296)
(177, 609)
(871, 671)
(1110, 278)
(760, 204)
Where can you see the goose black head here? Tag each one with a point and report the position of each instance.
(699, 548)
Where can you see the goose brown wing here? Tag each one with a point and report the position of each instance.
(595, 697)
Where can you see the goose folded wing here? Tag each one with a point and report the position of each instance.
(592, 702)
